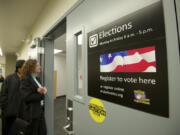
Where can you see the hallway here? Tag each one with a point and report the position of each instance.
(90, 67)
(59, 115)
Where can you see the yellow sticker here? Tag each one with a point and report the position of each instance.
(97, 110)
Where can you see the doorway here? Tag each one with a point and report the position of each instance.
(60, 84)
(56, 53)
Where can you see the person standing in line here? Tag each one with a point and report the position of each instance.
(33, 95)
(1, 79)
(9, 98)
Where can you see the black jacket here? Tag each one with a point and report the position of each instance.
(1, 79)
(32, 99)
(10, 96)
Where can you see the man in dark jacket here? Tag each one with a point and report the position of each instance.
(10, 98)
(1, 79)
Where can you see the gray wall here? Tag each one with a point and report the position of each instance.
(122, 120)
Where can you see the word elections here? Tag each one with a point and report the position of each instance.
(115, 30)
(128, 80)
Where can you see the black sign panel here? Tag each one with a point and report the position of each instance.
(127, 61)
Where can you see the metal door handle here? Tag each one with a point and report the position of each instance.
(67, 131)
(70, 109)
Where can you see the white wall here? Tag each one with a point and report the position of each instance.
(60, 66)
(23, 52)
(52, 12)
(2, 60)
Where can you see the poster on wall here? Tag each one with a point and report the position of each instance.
(127, 61)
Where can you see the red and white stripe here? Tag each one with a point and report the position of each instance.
(139, 60)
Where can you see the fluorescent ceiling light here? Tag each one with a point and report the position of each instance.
(57, 51)
(80, 39)
(1, 52)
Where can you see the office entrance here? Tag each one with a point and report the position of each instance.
(94, 100)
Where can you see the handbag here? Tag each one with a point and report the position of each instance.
(20, 127)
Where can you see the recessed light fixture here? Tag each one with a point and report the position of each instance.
(57, 51)
(1, 54)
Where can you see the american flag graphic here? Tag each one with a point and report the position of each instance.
(136, 60)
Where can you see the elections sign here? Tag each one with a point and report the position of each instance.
(127, 61)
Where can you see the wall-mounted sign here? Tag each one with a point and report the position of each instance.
(127, 61)
(97, 110)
